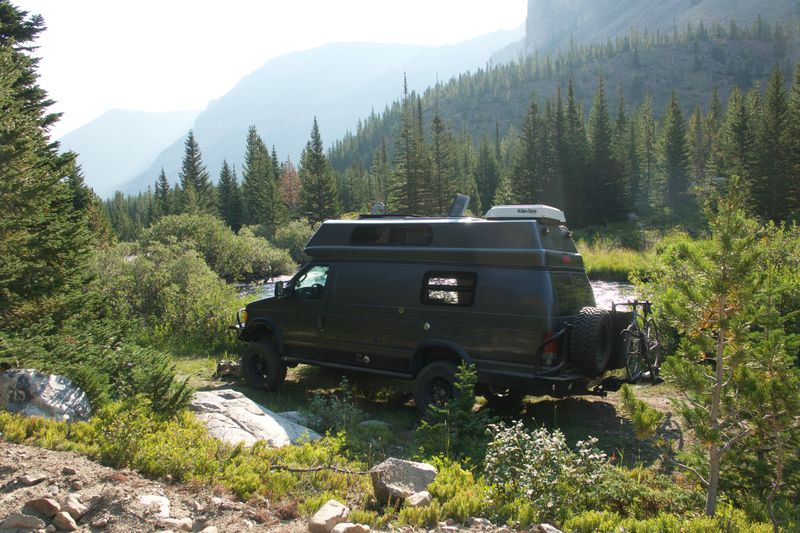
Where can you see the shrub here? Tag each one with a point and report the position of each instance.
(455, 431)
(171, 291)
(540, 467)
(335, 412)
(293, 237)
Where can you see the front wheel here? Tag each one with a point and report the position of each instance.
(435, 385)
(262, 367)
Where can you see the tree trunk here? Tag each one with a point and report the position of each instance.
(714, 451)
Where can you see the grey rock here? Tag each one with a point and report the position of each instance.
(33, 393)
(233, 418)
(69, 471)
(157, 502)
(545, 528)
(180, 524)
(46, 507)
(22, 521)
(295, 416)
(329, 515)
(479, 522)
(398, 479)
(210, 529)
(64, 521)
(50, 529)
(349, 527)
(100, 523)
(74, 506)
(420, 499)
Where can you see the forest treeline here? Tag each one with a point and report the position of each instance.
(599, 169)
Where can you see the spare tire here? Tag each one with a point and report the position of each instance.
(591, 340)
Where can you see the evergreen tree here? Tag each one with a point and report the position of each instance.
(793, 148)
(230, 205)
(163, 195)
(738, 139)
(675, 157)
(318, 194)
(604, 193)
(379, 177)
(772, 177)
(488, 171)
(409, 193)
(647, 155)
(194, 176)
(44, 241)
(528, 180)
(574, 160)
(443, 167)
(262, 204)
(698, 146)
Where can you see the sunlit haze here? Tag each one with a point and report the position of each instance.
(178, 55)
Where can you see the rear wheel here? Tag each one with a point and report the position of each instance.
(262, 367)
(591, 340)
(634, 360)
(435, 385)
(654, 352)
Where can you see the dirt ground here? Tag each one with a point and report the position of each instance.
(114, 495)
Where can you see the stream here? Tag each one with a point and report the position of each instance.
(605, 292)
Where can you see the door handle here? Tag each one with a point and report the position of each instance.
(319, 322)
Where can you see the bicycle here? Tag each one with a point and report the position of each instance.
(641, 345)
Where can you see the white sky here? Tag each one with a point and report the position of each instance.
(170, 55)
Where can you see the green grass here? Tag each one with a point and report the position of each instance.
(608, 262)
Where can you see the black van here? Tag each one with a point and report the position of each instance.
(413, 297)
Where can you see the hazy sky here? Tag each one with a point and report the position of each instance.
(168, 55)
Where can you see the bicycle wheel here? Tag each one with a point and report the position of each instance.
(652, 351)
(634, 363)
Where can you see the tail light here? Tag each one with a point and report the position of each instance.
(550, 349)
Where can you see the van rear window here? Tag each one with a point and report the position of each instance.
(393, 234)
(449, 288)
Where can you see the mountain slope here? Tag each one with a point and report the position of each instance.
(116, 146)
(336, 83)
(553, 23)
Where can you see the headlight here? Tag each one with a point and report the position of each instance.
(243, 315)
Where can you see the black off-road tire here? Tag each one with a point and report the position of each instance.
(435, 384)
(262, 367)
(591, 340)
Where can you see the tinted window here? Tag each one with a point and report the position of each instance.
(311, 283)
(393, 234)
(571, 292)
(449, 288)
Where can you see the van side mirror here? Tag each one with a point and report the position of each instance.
(279, 290)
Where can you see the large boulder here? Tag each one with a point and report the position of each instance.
(232, 417)
(33, 393)
(397, 479)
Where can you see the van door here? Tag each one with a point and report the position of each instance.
(303, 312)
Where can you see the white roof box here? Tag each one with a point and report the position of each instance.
(539, 212)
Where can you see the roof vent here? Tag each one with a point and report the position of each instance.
(523, 212)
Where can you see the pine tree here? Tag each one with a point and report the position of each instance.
(230, 206)
(409, 192)
(574, 160)
(45, 244)
(262, 204)
(488, 171)
(793, 135)
(738, 139)
(443, 167)
(193, 173)
(162, 194)
(698, 147)
(605, 191)
(289, 188)
(647, 155)
(379, 177)
(528, 180)
(770, 182)
(675, 157)
(318, 194)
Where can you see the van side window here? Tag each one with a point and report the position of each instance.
(310, 285)
(393, 234)
(449, 288)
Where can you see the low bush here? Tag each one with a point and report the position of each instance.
(729, 520)
(335, 412)
(607, 261)
(129, 434)
(293, 237)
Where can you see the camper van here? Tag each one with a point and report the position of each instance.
(414, 297)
